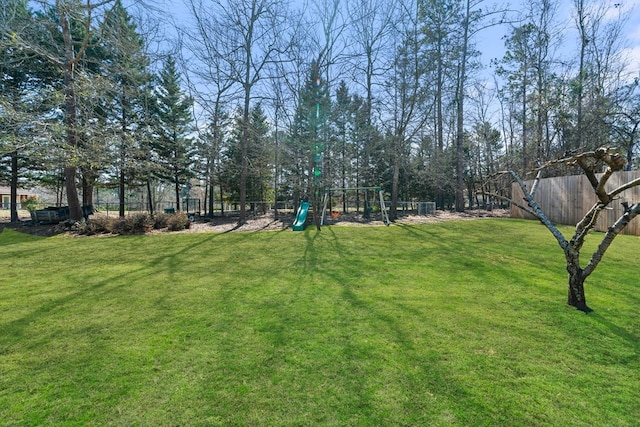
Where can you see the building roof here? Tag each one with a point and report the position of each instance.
(21, 191)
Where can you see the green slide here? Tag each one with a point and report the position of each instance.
(301, 217)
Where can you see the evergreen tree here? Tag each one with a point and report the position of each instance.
(308, 135)
(124, 63)
(13, 87)
(441, 19)
(342, 118)
(525, 65)
(172, 147)
(25, 96)
(258, 151)
(210, 145)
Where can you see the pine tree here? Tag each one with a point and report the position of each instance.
(258, 151)
(124, 63)
(25, 89)
(172, 147)
(307, 137)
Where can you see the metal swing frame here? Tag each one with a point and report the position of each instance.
(383, 207)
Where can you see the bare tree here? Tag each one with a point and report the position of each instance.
(589, 162)
(329, 42)
(256, 33)
(210, 79)
(527, 67)
(370, 41)
(405, 94)
(474, 19)
(600, 68)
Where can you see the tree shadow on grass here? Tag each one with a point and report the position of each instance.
(165, 260)
(617, 330)
(430, 381)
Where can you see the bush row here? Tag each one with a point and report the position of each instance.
(134, 224)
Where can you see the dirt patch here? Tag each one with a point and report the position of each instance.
(284, 221)
(270, 222)
(230, 224)
(442, 216)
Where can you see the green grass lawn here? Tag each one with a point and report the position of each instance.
(460, 323)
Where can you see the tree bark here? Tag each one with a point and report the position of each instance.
(70, 170)
(121, 186)
(244, 142)
(393, 209)
(75, 211)
(150, 197)
(176, 181)
(89, 178)
(14, 187)
(576, 297)
(462, 77)
(315, 201)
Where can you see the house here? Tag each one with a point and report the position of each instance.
(5, 197)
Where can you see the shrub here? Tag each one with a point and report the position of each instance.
(161, 220)
(177, 222)
(133, 224)
(97, 225)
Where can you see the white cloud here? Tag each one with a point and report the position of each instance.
(632, 56)
(617, 8)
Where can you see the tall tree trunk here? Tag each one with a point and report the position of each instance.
(221, 197)
(75, 211)
(578, 140)
(244, 145)
(315, 201)
(89, 177)
(244, 166)
(121, 194)
(439, 125)
(123, 159)
(211, 190)
(70, 170)
(14, 187)
(460, 114)
(150, 197)
(525, 134)
(393, 209)
(177, 190)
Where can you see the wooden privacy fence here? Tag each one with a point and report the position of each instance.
(565, 200)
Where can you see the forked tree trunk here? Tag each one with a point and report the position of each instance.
(576, 296)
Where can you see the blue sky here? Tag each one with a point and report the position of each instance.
(492, 46)
(490, 42)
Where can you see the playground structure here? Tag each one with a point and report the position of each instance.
(369, 208)
(301, 216)
(378, 206)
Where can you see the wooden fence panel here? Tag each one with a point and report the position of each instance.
(566, 199)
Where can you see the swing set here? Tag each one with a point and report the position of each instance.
(368, 208)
